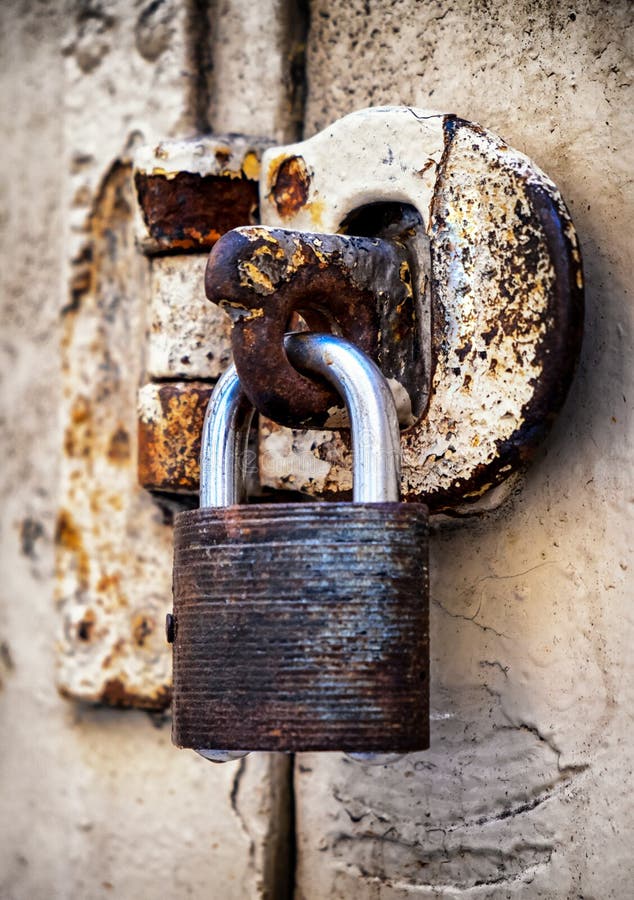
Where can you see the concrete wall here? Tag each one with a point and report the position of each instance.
(525, 792)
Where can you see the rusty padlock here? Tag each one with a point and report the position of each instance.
(302, 626)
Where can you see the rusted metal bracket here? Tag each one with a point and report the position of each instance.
(370, 290)
(506, 292)
(443, 252)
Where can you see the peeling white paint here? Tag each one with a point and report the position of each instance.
(367, 156)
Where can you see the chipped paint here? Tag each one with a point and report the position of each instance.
(170, 426)
(369, 156)
(113, 550)
(290, 186)
(232, 155)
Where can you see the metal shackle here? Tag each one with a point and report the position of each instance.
(375, 442)
(373, 423)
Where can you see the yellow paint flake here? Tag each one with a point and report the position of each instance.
(274, 166)
(251, 166)
(252, 275)
(158, 170)
(254, 314)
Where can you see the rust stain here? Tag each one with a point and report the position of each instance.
(116, 692)
(505, 269)
(143, 626)
(79, 434)
(110, 586)
(290, 186)
(119, 447)
(116, 652)
(68, 538)
(189, 211)
(86, 626)
(170, 426)
(108, 582)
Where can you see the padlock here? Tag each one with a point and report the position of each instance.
(302, 626)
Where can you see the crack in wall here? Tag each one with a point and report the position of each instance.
(199, 34)
(526, 877)
(235, 790)
(471, 619)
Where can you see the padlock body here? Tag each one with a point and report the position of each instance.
(302, 626)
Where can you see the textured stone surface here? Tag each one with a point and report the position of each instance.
(257, 80)
(188, 336)
(521, 794)
(526, 789)
(113, 565)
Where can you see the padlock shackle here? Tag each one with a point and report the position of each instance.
(376, 451)
(368, 400)
(223, 448)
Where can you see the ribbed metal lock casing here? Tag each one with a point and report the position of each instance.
(302, 626)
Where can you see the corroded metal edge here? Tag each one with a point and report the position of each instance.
(533, 316)
(192, 192)
(170, 424)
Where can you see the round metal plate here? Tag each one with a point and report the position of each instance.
(505, 297)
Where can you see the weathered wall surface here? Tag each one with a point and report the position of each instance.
(523, 793)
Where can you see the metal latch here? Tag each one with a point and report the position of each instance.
(458, 271)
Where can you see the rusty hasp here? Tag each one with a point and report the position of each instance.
(506, 293)
(370, 290)
(191, 192)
